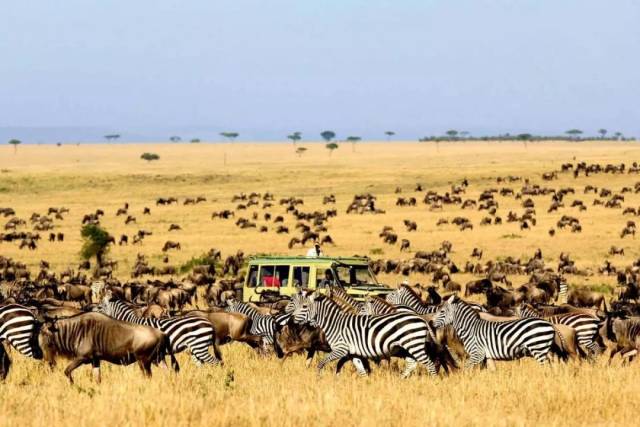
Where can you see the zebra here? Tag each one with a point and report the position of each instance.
(184, 332)
(263, 325)
(488, 340)
(17, 327)
(407, 297)
(369, 337)
(585, 325)
(562, 293)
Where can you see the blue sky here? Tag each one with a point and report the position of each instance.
(266, 68)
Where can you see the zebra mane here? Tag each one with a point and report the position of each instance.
(462, 304)
(342, 304)
(331, 302)
(376, 299)
(412, 292)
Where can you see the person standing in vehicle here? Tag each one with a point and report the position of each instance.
(315, 251)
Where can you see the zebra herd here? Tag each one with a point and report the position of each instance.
(399, 326)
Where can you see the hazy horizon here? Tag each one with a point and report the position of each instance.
(151, 69)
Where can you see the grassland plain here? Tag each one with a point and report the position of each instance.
(253, 391)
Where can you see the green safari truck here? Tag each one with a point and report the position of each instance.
(285, 275)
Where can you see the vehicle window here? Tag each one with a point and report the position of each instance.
(267, 276)
(351, 275)
(253, 276)
(324, 277)
(282, 275)
(301, 276)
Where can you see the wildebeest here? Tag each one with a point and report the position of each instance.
(170, 245)
(586, 298)
(94, 337)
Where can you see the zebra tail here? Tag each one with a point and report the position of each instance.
(558, 345)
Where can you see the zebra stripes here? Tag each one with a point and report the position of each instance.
(405, 296)
(586, 326)
(185, 332)
(17, 326)
(372, 337)
(485, 340)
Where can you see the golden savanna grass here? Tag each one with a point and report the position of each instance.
(251, 390)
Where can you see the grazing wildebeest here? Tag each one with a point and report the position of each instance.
(477, 287)
(93, 337)
(170, 245)
(405, 245)
(230, 327)
(586, 298)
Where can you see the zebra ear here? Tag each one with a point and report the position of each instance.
(451, 299)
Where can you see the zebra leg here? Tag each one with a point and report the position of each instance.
(362, 366)
(421, 356)
(475, 359)
(491, 365)
(335, 354)
(541, 356)
(410, 367)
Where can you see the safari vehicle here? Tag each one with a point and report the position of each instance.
(269, 275)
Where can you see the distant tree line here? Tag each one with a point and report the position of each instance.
(572, 135)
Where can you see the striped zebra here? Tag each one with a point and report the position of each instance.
(17, 327)
(374, 305)
(263, 325)
(369, 337)
(407, 297)
(562, 293)
(585, 325)
(185, 332)
(486, 340)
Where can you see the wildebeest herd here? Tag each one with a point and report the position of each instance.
(89, 315)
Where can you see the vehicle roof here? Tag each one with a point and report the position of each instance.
(307, 260)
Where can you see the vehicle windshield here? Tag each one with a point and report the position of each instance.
(355, 275)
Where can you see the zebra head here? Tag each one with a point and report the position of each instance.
(232, 306)
(446, 314)
(393, 297)
(106, 306)
(305, 312)
(366, 309)
(296, 301)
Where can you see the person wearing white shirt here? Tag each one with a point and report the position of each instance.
(315, 251)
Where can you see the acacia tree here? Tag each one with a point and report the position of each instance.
(328, 135)
(112, 137)
(231, 136)
(574, 133)
(300, 151)
(15, 143)
(353, 140)
(149, 157)
(389, 134)
(331, 146)
(617, 135)
(95, 243)
(175, 138)
(524, 137)
(602, 132)
(295, 137)
(452, 133)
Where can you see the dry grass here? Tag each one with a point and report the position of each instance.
(84, 178)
